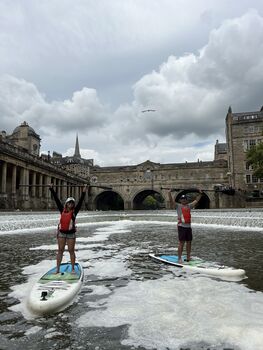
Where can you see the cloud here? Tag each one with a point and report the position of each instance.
(20, 100)
(190, 93)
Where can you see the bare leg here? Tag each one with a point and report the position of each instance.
(61, 248)
(71, 248)
(180, 251)
(188, 249)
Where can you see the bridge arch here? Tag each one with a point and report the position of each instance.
(140, 201)
(109, 200)
(191, 194)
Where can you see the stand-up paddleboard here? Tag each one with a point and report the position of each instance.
(200, 266)
(53, 292)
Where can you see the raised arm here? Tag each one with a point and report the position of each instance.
(58, 202)
(83, 194)
(194, 203)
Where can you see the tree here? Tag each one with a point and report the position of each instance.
(149, 203)
(255, 159)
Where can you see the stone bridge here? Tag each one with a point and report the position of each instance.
(132, 184)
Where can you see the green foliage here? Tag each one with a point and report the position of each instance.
(153, 201)
(150, 203)
(255, 158)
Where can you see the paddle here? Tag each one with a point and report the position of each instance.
(223, 189)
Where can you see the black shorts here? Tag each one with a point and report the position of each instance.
(185, 233)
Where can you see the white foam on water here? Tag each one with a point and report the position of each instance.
(229, 227)
(52, 334)
(23, 231)
(45, 247)
(85, 265)
(175, 312)
(97, 304)
(21, 291)
(84, 255)
(109, 268)
(33, 330)
(99, 290)
(41, 226)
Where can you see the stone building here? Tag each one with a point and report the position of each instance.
(243, 130)
(25, 178)
(23, 137)
(220, 151)
(75, 164)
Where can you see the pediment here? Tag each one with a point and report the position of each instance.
(148, 165)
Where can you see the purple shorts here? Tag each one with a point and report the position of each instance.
(185, 233)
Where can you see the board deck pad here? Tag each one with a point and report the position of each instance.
(174, 259)
(64, 275)
(194, 262)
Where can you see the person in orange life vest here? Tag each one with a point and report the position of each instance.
(184, 223)
(67, 228)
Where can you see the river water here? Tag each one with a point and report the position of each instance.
(127, 300)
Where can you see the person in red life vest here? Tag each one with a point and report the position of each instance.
(184, 223)
(67, 225)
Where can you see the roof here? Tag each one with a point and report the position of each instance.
(31, 131)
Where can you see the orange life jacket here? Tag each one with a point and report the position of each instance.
(67, 221)
(185, 218)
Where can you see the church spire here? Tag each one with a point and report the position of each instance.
(77, 153)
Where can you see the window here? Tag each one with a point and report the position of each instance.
(249, 167)
(247, 144)
(248, 179)
(254, 179)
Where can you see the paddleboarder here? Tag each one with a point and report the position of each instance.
(66, 233)
(184, 222)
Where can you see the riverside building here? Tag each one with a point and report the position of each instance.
(243, 130)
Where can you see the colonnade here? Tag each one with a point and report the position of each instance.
(24, 186)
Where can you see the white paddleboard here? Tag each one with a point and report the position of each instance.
(201, 266)
(53, 292)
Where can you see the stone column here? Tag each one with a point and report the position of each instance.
(127, 205)
(47, 193)
(24, 180)
(55, 183)
(3, 182)
(25, 177)
(60, 182)
(69, 190)
(13, 194)
(47, 181)
(40, 188)
(14, 179)
(3, 194)
(79, 191)
(76, 190)
(64, 191)
(33, 191)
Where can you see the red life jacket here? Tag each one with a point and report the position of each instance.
(185, 218)
(67, 221)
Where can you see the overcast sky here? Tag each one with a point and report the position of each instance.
(92, 66)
